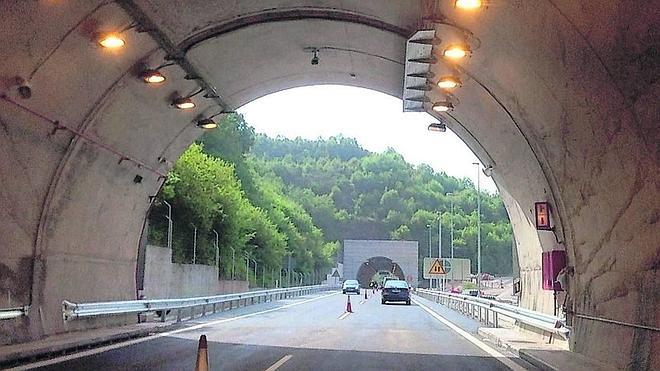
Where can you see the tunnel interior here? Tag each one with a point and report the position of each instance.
(558, 98)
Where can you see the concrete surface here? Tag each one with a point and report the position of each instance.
(403, 253)
(560, 97)
(164, 279)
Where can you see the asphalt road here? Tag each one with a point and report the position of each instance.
(309, 333)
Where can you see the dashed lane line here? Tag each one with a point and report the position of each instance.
(346, 314)
(279, 363)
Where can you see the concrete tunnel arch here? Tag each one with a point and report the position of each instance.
(560, 99)
(377, 264)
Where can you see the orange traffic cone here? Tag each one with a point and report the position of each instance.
(349, 309)
(202, 355)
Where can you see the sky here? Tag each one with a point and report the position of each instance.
(374, 119)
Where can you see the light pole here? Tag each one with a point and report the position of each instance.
(169, 224)
(194, 244)
(233, 262)
(247, 268)
(255, 271)
(478, 230)
(217, 250)
(451, 234)
(440, 248)
(430, 279)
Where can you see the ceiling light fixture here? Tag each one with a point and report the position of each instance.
(437, 126)
(186, 102)
(110, 40)
(449, 82)
(207, 123)
(152, 77)
(468, 4)
(456, 52)
(183, 103)
(444, 106)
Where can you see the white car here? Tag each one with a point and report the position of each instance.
(350, 286)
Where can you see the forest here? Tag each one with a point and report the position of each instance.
(279, 200)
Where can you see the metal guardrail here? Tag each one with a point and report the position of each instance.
(489, 311)
(72, 311)
(11, 313)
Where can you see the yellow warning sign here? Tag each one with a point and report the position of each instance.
(437, 267)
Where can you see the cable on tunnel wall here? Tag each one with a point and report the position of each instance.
(59, 126)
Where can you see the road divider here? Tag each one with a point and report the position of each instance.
(72, 311)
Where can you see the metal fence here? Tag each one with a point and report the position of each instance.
(165, 307)
(489, 311)
(11, 313)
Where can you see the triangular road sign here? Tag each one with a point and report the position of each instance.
(437, 267)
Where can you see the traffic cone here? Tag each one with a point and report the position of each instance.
(349, 309)
(202, 355)
(365, 294)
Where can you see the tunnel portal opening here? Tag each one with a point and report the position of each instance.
(378, 266)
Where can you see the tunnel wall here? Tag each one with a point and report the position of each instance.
(403, 253)
(560, 96)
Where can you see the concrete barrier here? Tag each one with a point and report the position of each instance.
(165, 280)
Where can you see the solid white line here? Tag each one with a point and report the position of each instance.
(344, 315)
(279, 363)
(483, 346)
(160, 335)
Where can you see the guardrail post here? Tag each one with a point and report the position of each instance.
(178, 315)
(163, 315)
(495, 319)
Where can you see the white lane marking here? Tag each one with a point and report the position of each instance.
(363, 301)
(156, 336)
(279, 363)
(483, 346)
(344, 315)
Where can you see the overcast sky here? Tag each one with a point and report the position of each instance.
(375, 120)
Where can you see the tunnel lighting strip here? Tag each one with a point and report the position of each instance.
(59, 126)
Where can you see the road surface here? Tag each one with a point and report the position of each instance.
(308, 333)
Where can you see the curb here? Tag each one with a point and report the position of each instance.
(536, 362)
(50, 351)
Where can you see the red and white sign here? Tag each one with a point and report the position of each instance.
(542, 212)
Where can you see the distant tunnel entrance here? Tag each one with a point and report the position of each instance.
(378, 266)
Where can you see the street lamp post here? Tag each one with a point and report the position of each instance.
(194, 244)
(169, 224)
(255, 271)
(430, 279)
(233, 262)
(217, 249)
(440, 249)
(478, 230)
(247, 268)
(451, 234)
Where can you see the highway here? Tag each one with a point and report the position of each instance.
(309, 333)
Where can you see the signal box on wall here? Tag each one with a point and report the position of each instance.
(551, 263)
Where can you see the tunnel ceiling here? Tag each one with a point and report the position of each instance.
(560, 97)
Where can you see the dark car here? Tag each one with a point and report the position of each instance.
(396, 290)
(351, 286)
